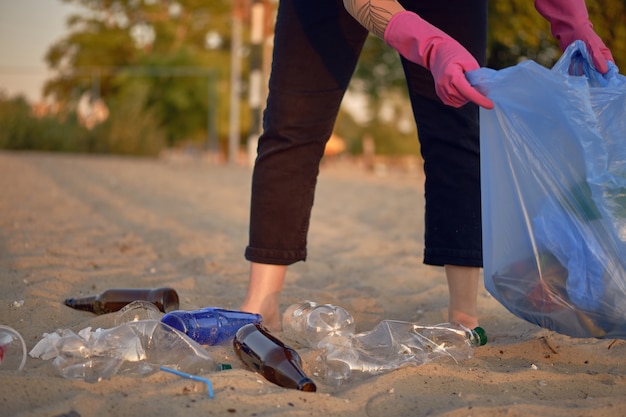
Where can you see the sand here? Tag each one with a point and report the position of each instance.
(75, 225)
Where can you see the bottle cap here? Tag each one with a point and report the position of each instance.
(223, 366)
(482, 335)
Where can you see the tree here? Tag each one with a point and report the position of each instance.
(173, 48)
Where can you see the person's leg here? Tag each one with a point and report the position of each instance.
(463, 289)
(263, 295)
(316, 47)
(449, 140)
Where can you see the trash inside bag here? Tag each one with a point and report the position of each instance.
(137, 347)
(553, 172)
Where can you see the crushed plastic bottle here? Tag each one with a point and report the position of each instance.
(136, 347)
(12, 349)
(393, 344)
(308, 322)
(346, 356)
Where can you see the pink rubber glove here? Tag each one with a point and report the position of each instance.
(569, 21)
(422, 43)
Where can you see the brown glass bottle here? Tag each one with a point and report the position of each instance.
(265, 354)
(109, 301)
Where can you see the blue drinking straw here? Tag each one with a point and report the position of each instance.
(189, 376)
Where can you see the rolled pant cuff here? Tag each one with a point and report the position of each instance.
(441, 257)
(275, 256)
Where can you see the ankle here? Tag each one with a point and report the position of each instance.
(467, 320)
(270, 314)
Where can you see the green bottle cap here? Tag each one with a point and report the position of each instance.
(223, 366)
(482, 335)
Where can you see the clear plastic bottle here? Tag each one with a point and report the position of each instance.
(307, 322)
(267, 355)
(392, 344)
(12, 349)
(112, 300)
(136, 347)
(210, 325)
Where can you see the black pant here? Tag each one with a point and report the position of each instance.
(316, 48)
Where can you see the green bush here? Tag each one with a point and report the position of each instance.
(129, 130)
(21, 130)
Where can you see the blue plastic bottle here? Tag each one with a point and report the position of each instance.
(210, 325)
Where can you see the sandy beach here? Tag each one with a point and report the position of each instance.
(76, 225)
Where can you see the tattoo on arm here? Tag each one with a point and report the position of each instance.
(372, 14)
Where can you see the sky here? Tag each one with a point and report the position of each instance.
(27, 29)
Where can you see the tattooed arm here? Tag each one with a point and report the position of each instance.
(374, 15)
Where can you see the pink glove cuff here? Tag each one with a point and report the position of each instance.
(413, 37)
(447, 60)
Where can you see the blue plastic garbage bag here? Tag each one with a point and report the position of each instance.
(553, 172)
